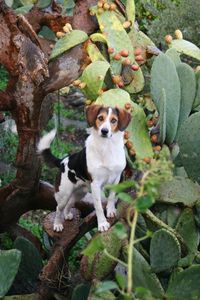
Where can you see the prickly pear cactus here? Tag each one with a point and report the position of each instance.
(197, 97)
(164, 75)
(137, 130)
(188, 90)
(70, 40)
(9, 264)
(162, 117)
(95, 264)
(179, 190)
(143, 276)
(81, 291)
(185, 285)
(185, 47)
(93, 76)
(165, 257)
(174, 55)
(189, 146)
(119, 42)
(31, 263)
(187, 228)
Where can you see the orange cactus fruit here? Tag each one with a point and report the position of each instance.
(124, 53)
(168, 39)
(135, 67)
(138, 51)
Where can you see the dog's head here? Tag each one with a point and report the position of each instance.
(107, 120)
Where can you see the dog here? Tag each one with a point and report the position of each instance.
(100, 162)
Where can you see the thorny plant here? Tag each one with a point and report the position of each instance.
(147, 190)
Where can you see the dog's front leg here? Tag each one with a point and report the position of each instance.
(103, 224)
(110, 208)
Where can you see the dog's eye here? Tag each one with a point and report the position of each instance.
(100, 118)
(113, 121)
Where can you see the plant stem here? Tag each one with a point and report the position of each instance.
(115, 258)
(140, 239)
(130, 254)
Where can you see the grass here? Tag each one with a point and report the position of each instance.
(8, 149)
(69, 113)
(3, 78)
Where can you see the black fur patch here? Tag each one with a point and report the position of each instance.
(77, 163)
(72, 176)
(50, 159)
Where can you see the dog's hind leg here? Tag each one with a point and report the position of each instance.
(62, 200)
(68, 215)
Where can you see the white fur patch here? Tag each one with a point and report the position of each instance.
(46, 141)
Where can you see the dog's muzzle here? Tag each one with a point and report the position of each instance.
(104, 132)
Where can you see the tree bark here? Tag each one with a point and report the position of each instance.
(31, 78)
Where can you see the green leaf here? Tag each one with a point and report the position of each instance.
(106, 286)
(70, 40)
(174, 55)
(118, 188)
(143, 203)
(186, 47)
(120, 230)
(94, 246)
(125, 197)
(121, 280)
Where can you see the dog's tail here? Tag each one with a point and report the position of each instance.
(43, 149)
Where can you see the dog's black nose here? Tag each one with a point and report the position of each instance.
(104, 131)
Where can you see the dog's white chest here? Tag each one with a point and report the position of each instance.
(105, 157)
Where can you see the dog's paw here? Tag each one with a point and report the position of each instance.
(68, 216)
(58, 227)
(111, 212)
(103, 226)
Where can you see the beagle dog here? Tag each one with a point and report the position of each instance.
(100, 162)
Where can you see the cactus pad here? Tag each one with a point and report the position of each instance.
(94, 75)
(186, 47)
(94, 52)
(31, 263)
(162, 118)
(164, 75)
(188, 89)
(197, 97)
(185, 285)
(186, 227)
(179, 190)
(165, 251)
(143, 275)
(137, 129)
(174, 55)
(9, 264)
(189, 145)
(95, 263)
(70, 40)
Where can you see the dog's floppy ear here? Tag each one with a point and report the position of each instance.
(92, 112)
(124, 118)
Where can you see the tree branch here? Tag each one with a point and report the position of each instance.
(6, 102)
